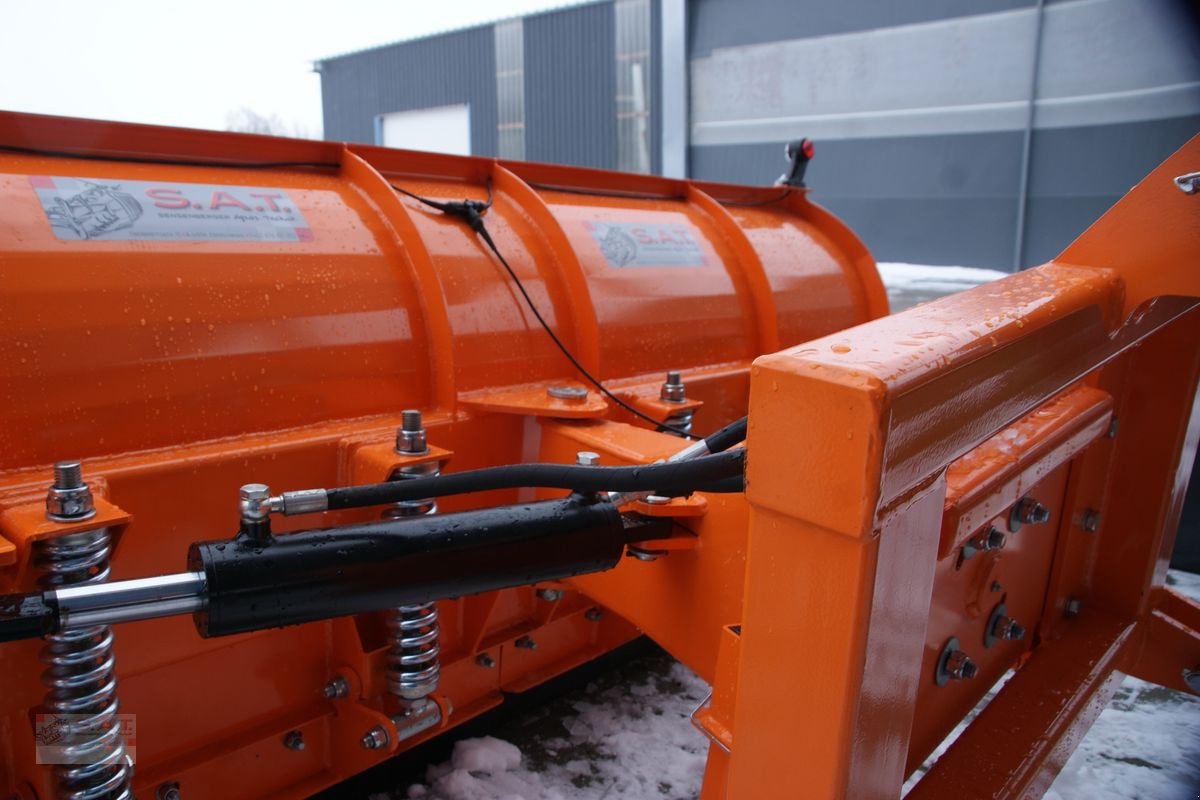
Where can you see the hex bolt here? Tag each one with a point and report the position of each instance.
(993, 539)
(1072, 607)
(673, 390)
(69, 498)
(375, 738)
(410, 436)
(485, 660)
(593, 615)
(526, 643)
(293, 740)
(1027, 511)
(338, 687)
(1090, 521)
(960, 667)
(953, 664)
(253, 499)
(586, 458)
(968, 550)
(168, 790)
(1008, 629)
(1191, 679)
(549, 595)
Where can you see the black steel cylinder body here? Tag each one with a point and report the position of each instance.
(311, 575)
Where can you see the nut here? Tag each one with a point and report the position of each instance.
(673, 390)
(293, 740)
(375, 738)
(549, 595)
(1008, 629)
(526, 643)
(485, 660)
(571, 394)
(338, 687)
(593, 615)
(1090, 521)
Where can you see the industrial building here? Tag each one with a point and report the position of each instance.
(986, 133)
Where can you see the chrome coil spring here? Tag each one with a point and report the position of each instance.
(679, 423)
(412, 660)
(82, 696)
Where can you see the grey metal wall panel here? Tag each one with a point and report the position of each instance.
(730, 23)
(1076, 174)
(457, 67)
(570, 87)
(929, 200)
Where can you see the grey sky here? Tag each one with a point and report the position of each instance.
(191, 63)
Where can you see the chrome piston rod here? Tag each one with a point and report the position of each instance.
(127, 601)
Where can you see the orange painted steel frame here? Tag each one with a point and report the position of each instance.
(816, 605)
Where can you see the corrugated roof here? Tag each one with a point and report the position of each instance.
(564, 6)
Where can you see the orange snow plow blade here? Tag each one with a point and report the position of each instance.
(925, 502)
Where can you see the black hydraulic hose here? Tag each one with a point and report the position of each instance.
(667, 478)
(727, 437)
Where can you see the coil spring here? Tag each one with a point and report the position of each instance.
(679, 423)
(412, 660)
(81, 679)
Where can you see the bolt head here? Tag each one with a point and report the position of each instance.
(969, 549)
(994, 539)
(293, 740)
(593, 615)
(485, 660)
(253, 499)
(338, 687)
(1008, 629)
(1091, 520)
(586, 458)
(165, 791)
(1072, 607)
(375, 738)
(526, 643)
(549, 595)
(960, 667)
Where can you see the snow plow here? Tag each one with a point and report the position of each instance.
(312, 452)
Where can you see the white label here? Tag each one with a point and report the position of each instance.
(102, 208)
(637, 244)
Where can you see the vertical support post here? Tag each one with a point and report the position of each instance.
(1027, 140)
(674, 105)
(837, 590)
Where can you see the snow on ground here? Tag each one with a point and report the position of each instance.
(909, 284)
(629, 735)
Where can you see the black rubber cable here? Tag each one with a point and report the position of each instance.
(727, 437)
(472, 212)
(669, 479)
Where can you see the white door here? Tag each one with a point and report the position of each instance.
(445, 129)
